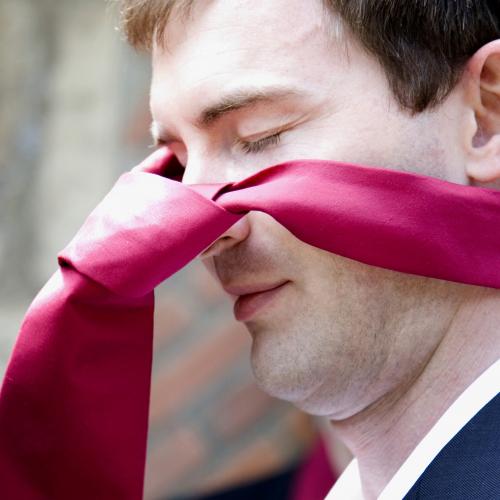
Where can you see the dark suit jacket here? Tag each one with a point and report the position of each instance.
(468, 467)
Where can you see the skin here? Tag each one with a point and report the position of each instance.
(380, 353)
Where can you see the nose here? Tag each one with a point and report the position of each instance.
(200, 170)
(234, 235)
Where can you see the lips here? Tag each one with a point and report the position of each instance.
(253, 299)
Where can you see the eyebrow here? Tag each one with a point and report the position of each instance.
(240, 98)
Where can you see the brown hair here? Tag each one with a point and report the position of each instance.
(422, 45)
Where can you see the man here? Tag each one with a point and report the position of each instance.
(397, 84)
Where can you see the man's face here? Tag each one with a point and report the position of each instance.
(340, 334)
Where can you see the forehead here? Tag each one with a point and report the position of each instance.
(233, 42)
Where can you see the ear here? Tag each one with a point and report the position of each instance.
(483, 101)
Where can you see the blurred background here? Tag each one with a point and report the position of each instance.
(74, 116)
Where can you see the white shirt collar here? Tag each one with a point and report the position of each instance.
(463, 409)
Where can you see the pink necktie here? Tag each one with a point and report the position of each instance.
(74, 401)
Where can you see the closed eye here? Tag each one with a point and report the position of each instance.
(261, 144)
(248, 147)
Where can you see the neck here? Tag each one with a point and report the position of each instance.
(383, 435)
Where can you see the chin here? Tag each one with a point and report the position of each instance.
(298, 394)
(273, 377)
(291, 362)
(280, 378)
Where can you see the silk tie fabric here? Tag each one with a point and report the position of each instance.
(74, 400)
